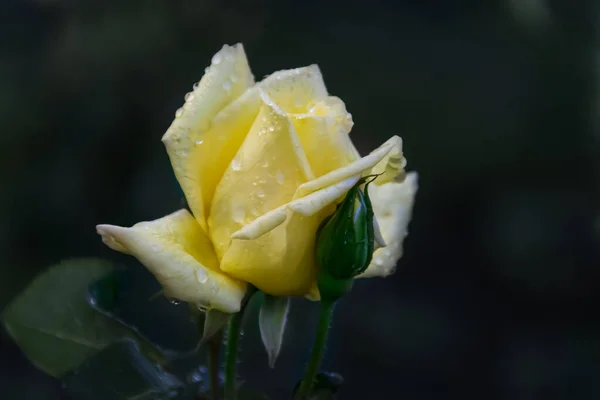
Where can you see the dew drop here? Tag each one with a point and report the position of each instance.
(155, 248)
(217, 58)
(189, 96)
(201, 276)
(175, 302)
(271, 128)
(206, 70)
(260, 193)
(254, 211)
(238, 214)
(227, 86)
(199, 142)
(179, 112)
(202, 307)
(265, 164)
(378, 261)
(195, 85)
(236, 165)
(280, 177)
(233, 78)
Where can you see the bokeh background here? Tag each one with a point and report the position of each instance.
(497, 103)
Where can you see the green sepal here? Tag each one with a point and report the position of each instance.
(346, 240)
(332, 288)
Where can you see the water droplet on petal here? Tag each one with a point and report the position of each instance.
(265, 164)
(201, 275)
(217, 58)
(280, 177)
(254, 211)
(195, 85)
(260, 193)
(233, 78)
(199, 142)
(271, 128)
(238, 214)
(189, 96)
(236, 164)
(227, 86)
(179, 112)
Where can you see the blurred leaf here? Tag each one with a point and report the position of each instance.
(214, 321)
(272, 320)
(121, 372)
(53, 322)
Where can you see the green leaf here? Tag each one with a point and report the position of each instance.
(214, 321)
(53, 322)
(121, 372)
(272, 320)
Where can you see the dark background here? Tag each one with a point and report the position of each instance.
(496, 102)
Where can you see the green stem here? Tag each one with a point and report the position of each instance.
(233, 335)
(305, 388)
(214, 348)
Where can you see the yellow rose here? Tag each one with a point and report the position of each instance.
(261, 165)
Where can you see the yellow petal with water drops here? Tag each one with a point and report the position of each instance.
(297, 90)
(307, 206)
(392, 204)
(324, 135)
(264, 174)
(275, 252)
(179, 254)
(360, 166)
(281, 261)
(192, 145)
(315, 195)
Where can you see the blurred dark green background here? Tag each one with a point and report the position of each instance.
(497, 103)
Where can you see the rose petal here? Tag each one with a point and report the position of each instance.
(391, 167)
(392, 204)
(199, 151)
(265, 173)
(295, 90)
(176, 250)
(275, 252)
(357, 167)
(324, 130)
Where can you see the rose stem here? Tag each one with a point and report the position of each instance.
(214, 347)
(316, 355)
(233, 334)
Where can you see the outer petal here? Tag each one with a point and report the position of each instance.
(176, 250)
(357, 167)
(392, 204)
(201, 146)
(275, 252)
